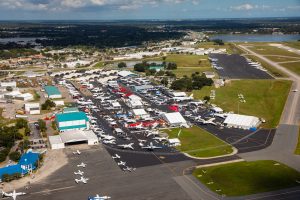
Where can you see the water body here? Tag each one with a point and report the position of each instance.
(255, 38)
(20, 40)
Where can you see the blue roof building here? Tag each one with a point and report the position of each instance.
(72, 121)
(26, 163)
(52, 92)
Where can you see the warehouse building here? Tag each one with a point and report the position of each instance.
(72, 137)
(242, 121)
(32, 108)
(174, 119)
(72, 121)
(140, 114)
(52, 92)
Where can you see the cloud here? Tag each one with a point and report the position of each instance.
(54, 5)
(242, 7)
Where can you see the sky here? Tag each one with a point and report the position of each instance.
(145, 9)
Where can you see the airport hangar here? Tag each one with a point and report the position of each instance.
(52, 92)
(74, 129)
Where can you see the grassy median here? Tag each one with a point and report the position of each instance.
(245, 178)
(264, 98)
(199, 143)
(297, 151)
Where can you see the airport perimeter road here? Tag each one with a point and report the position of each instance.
(291, 114)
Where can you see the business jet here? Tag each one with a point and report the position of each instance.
(129, 169)
(82, 179)
(116, 156)
(160, 138)
(152, 133)
(121, 163)
(126, 146)
(295, 90)
(151, 147)
(13, 195)
(79, 173)
(107, 137)
(142, 141)
(97, 197)
(82, 165)
(209, 121)
(77, 152)
(109, 141)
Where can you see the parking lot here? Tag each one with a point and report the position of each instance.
(237, 67)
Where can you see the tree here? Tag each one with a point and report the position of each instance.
(15, 156)
(171, 66)
(164, 81)
(122, 65)
(48, 105)
(184, 83)
(206, 98)
(9, 88)
(42, 125)
(218, 42)
(21, 123)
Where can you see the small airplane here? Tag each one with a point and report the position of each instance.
(160, 138)
(97, 197)
(13, 195)
(295, 90)
(77, 152)
(152, 133)
(109, 141)
(151, 147)
(116, 156)
(82, 165)
(121, 163)
(142, 140)
(79, 173)
(130, 169)
(82, 179)
(126, 146)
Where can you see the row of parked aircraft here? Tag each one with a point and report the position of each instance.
(122, 163)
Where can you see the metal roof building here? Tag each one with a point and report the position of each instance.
(241, 121)
(52, 92)
(72, 121)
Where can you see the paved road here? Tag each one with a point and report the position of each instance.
(291, 114)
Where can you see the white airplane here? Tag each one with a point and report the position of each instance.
(79, 173)
(82, 165)
(121, 163)
(210, 121)
(126, 146)
(142, 140)
(152, 133)
(160, 138)
(130, 169)
(77, 152)
(13, 194)
(97, 197)
(82, 179)
(295, 90)
(109, 141)
(151, 147)
(116, 156)
(107, 137)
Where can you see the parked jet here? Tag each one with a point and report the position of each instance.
(130, 169)
(160, 138)
(13, 194)
(79, 173)
(151, 147)
(109, 141)
(152, 133)
(210, 121)
(126, 146)
(116, 156)
(77, 152)
(142, 140)
(82, 179)
(121, 163)
(82, 165)
(97, 197)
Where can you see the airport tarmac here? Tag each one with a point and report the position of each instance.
(106, 178)
(236, 67)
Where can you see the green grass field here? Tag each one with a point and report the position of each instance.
(245, 178)
(262, 99)
(295, 67)
(282, 59)
(295, 44)
(183, 60)
(271, 50)
(181, 71)
(200, 143)
(297, 151)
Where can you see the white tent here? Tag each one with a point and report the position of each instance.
(174, 119)
(241, 121)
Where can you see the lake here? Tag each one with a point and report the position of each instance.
(255, 38)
